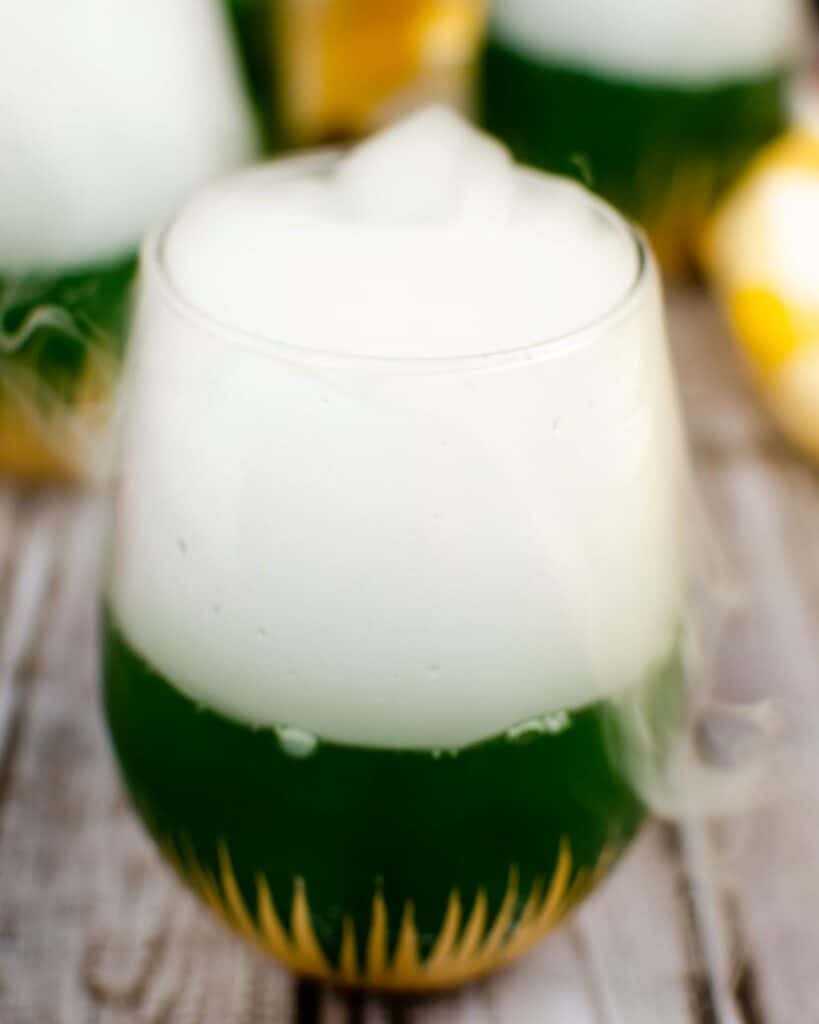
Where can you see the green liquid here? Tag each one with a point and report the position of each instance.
(661, 153)
(497, 823)
(254, 23)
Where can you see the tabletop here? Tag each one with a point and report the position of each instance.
(706, 920)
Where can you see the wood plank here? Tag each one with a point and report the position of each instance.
(92, 925)
(634, 934)
(30, 571)
(360, 1008)
(554, 978)
(713, 978)
(775, 852)
(767, 503)
(8, 506)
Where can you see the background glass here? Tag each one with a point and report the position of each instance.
(108, 117)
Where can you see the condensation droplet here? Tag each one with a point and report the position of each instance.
(296, 742)
(550, 724)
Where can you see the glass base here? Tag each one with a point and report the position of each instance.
(390, 869)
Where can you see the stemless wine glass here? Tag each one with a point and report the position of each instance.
(392, 644)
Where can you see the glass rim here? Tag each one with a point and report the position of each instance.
(152, 262)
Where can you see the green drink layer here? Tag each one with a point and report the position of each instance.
(255, 27)
(661, 153)
(61, 337)
(405, 869)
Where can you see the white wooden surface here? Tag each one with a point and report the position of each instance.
(702, 923)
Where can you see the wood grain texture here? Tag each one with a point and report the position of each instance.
(633, 936)
(702, 922)
(92, 925)
(766, 501)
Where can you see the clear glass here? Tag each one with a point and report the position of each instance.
(392, 646)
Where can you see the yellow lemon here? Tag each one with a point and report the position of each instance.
(761, 251)
(350, 65)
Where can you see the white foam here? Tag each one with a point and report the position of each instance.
(429, 169)
(663, 40)
(396, 250)
(110, 112)
(385, 553)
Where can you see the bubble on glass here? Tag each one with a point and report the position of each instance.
(297, 743)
